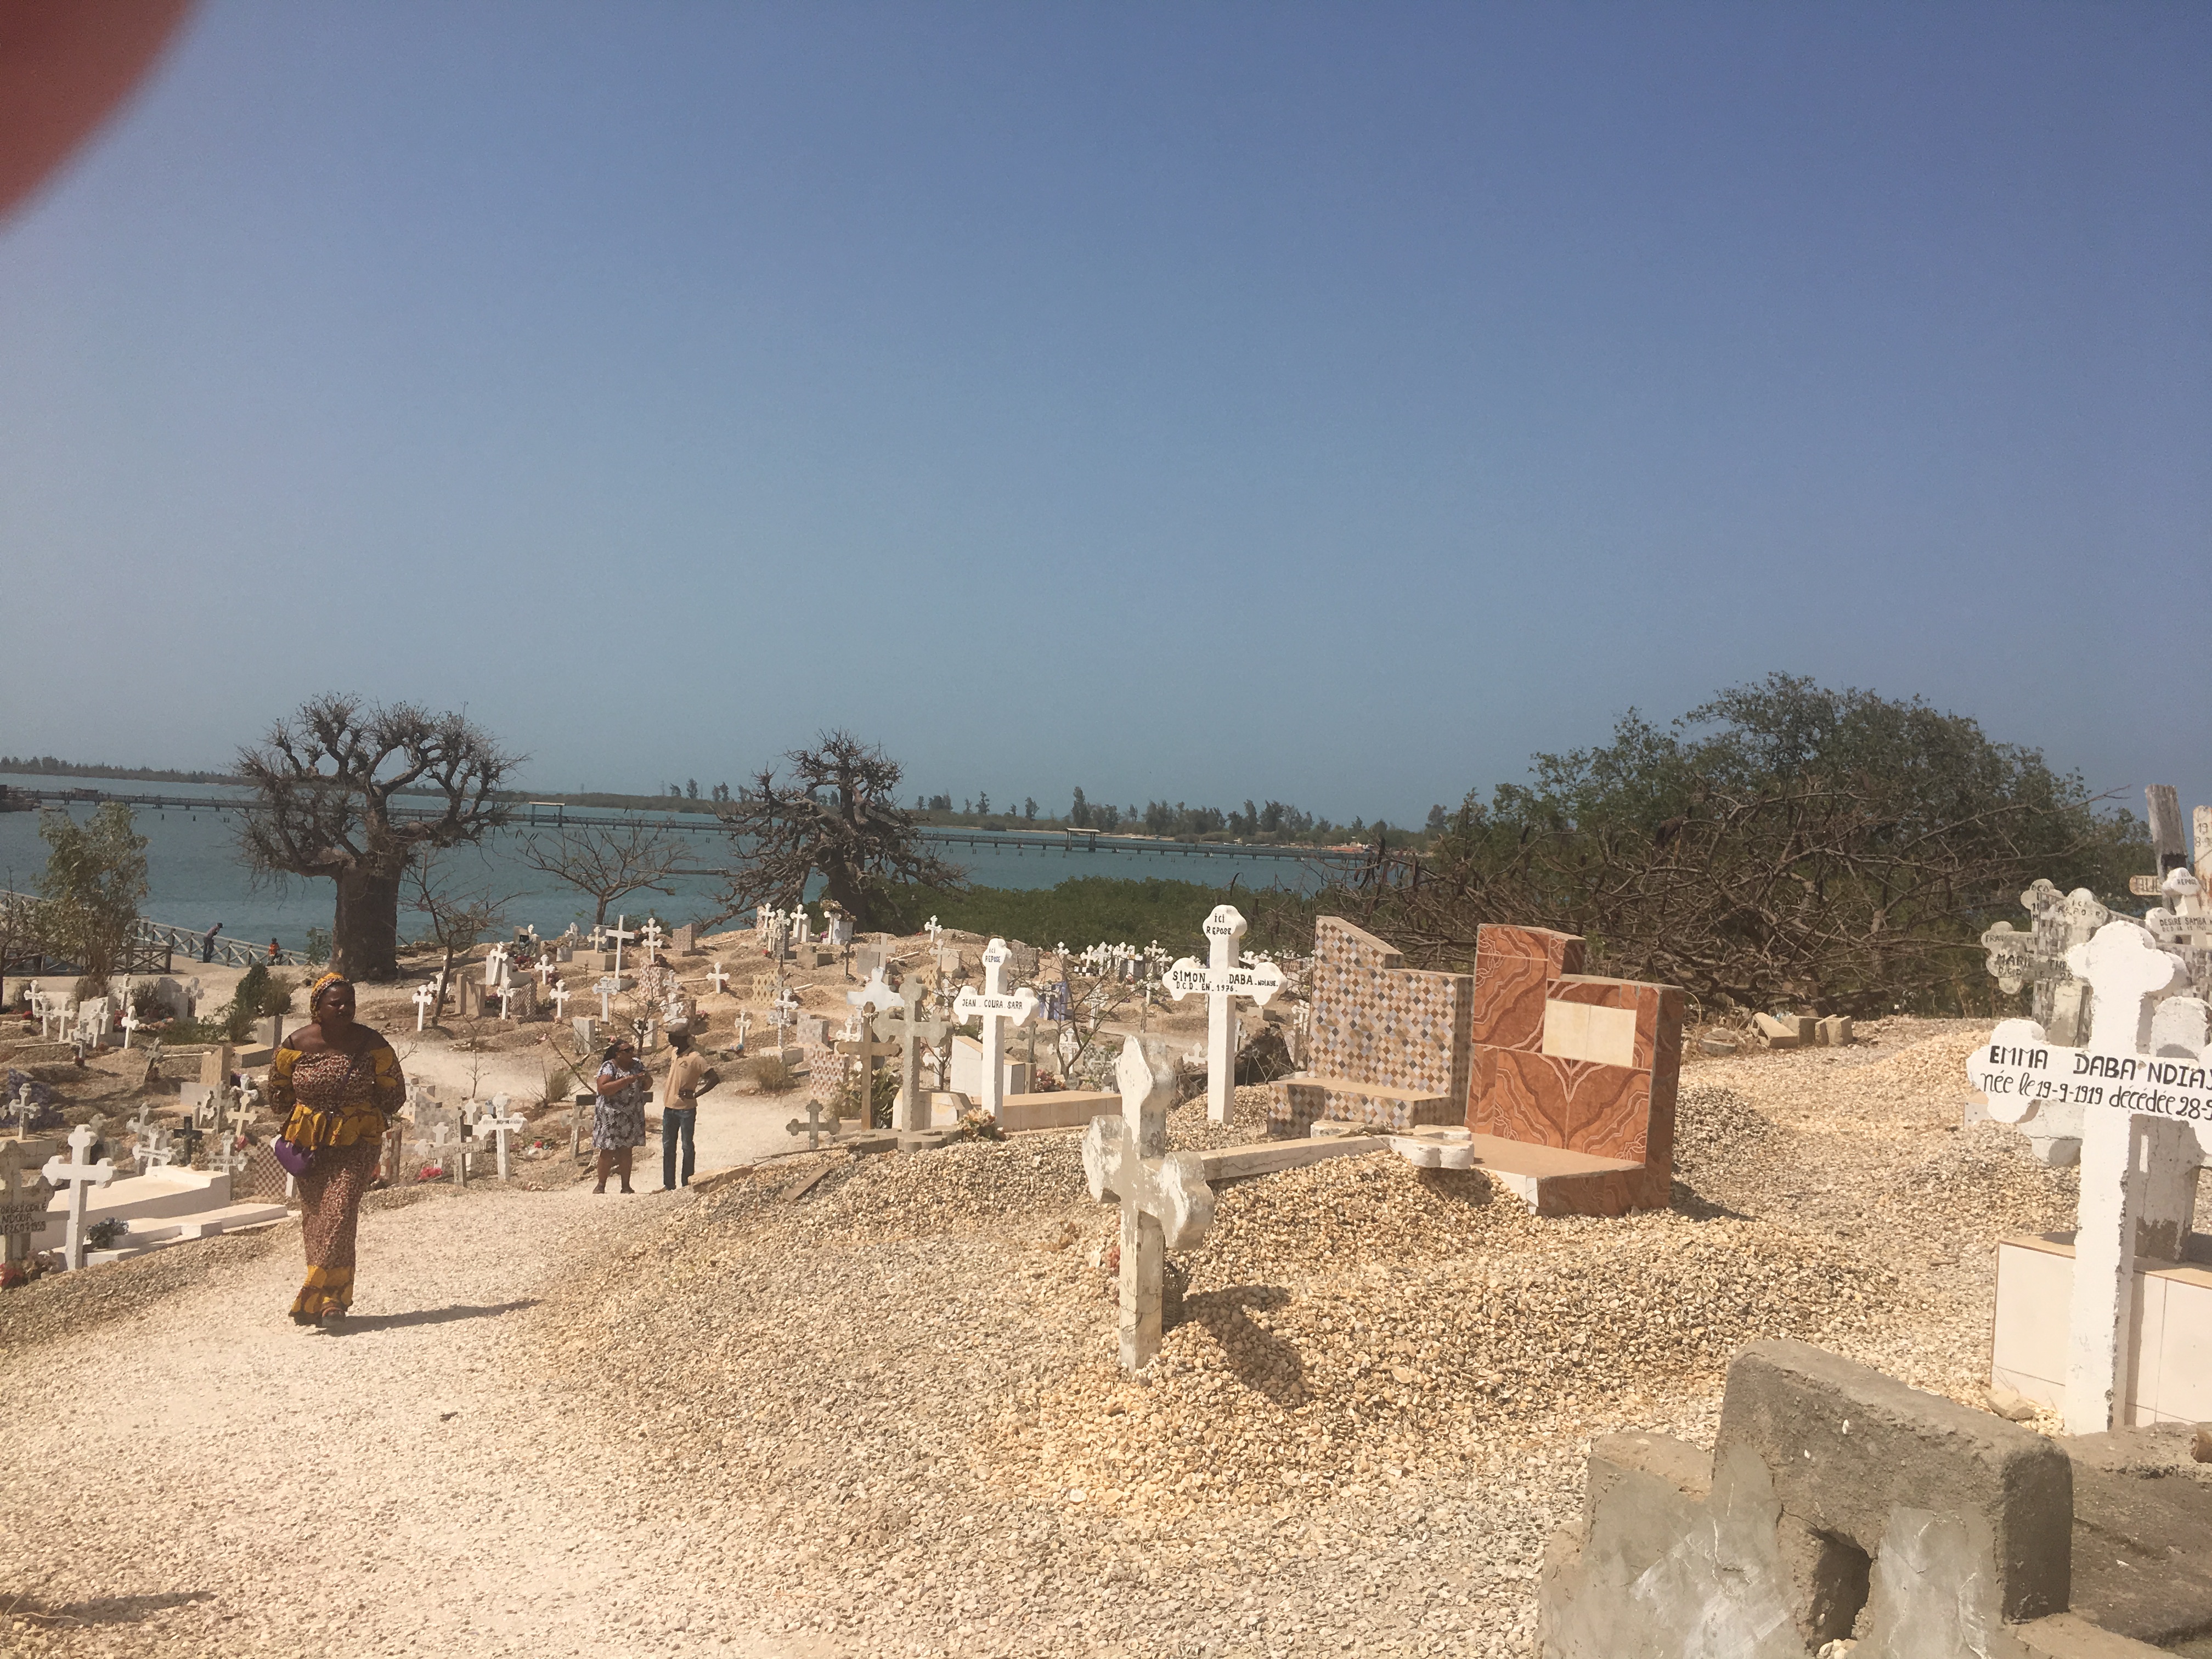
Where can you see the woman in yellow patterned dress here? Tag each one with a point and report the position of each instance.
(338, 1082)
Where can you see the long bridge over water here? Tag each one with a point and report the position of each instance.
(553, 814)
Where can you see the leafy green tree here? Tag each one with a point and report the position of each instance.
(1781, 844)
(94, 882)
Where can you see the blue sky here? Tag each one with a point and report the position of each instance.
(1334, 403)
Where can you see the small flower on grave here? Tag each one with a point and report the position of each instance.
(432, 1172)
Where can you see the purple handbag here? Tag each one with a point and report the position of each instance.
(295, 1158)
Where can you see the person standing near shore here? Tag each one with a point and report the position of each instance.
(206, 943)
(618, 1114)
(336, 1083)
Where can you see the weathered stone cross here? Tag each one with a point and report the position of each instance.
(869, 1041)
(2037, 958)
(2138, 1096)
(1164, 1198)
(811, 1126)
(80, 1172)
(23, 1206)
(1222, 980)
(425, 997)
(995, 1006)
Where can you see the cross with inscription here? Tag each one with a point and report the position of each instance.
(2138, 1094)
(502, 1121)
(2037, 958)
(1222, 980)
(23, 1204)
(995, 1006)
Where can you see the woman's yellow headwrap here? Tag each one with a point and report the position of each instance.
(315, 991)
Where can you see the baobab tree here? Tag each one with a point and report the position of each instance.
(837, 817)
(327, 778)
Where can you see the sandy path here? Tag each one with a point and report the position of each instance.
(201, 1477)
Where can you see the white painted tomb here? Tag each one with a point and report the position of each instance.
(2129, 1314)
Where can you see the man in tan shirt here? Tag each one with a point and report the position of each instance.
(688, 1077)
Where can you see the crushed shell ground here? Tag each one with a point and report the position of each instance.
(884, 1416)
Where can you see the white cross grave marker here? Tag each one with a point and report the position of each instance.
(995, 1006)
(80, 1172)
(619, 936)
(2138, 1094)
(650, 936)
(608, 985)
(495, 967)
(1222, 980)
(128, 1023)
(784, 1014)
(506, 995)
(1165, 1201)
(560, 994)
(719, 980)
(503, 1122)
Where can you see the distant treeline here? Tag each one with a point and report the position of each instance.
(1264, 823)
(47, 766)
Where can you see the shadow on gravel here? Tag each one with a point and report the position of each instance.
(354, 1326)
(105, 1610)
(1262, 1361)
(1686, 1200)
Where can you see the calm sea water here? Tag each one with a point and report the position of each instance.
(197, 877)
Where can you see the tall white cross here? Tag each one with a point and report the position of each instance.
(128, 1023)
(2139, 1095)
(503, 1122)
(786, 1016)
(650, 936)
(425, 997)
(495, 967)
(619, 936)
(507, 994)
(560, 994)
(1165, 1201)
(744, 1025)
(80, 1172)
(608, 985)
(995, 1006)
(1222, 981)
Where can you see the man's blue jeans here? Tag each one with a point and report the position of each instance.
(677, 1121)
